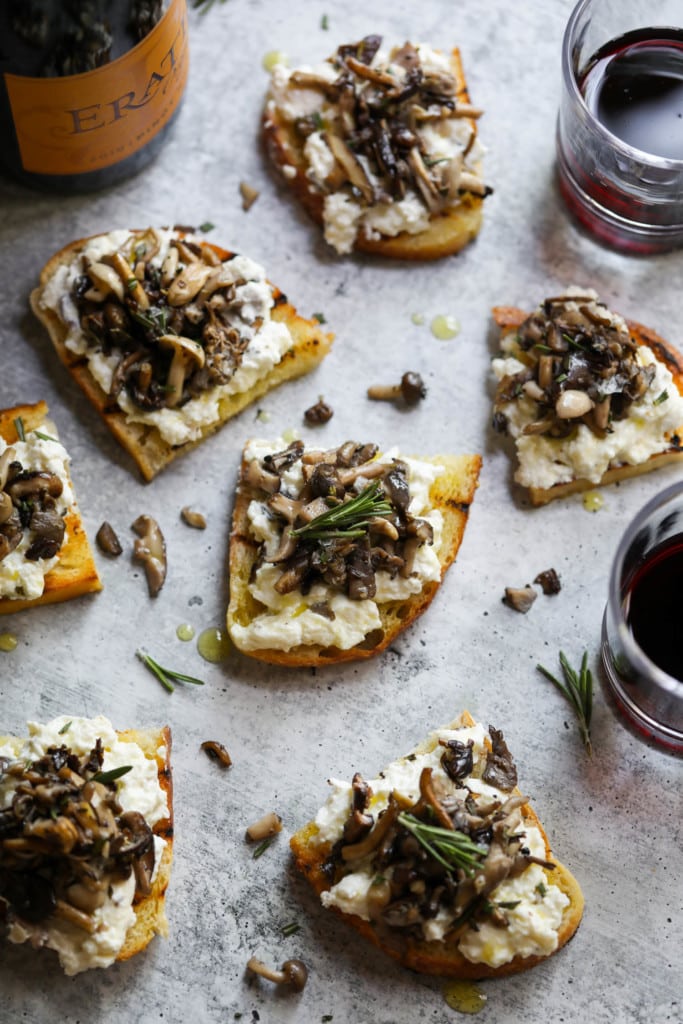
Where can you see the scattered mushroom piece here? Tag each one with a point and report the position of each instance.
(269, 825)
(520, 598)
(217, 752)
(107, 540)
(192, 518)
(150, 551)
(319, 413)
(549, 582)
(249, 195)
(293, 973)
(411, 390)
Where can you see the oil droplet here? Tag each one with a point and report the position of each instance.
(464, 997)
(291, 434)
(418, 319)
(8, 642)
(274, 57)
(185, 631)
(213, 644)
(445, 327)
(593, 501)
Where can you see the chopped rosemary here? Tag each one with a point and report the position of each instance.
(320, 317)
(453, 849)
(348, 519)
(165, 675)
(542, 348)
(324, 23)
(291, 929)
(262, 847)
(113, 774)
(44, 437)
(317, 120)
(207, 225)
(541, 889)
(661, 398)
(19, 427)
(131, 284)
(65, 728)
(578, 690)
(154, 319)
(562, 377)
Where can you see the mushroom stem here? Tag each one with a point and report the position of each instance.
(269, 825)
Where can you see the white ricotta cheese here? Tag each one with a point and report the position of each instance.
(138, 790)
(289, 620)
(534, 922)
(269, 340)
(20, 578)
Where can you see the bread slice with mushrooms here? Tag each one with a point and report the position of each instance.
(91, 906)
(170, 336)
(588, 397)
(441, 862)
(381, 148)
(45, 555)
(306, 591)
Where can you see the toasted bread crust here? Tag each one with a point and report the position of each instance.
(142, 441)
(75, 573)
(452, 494)
(439, 958)
(509, 318)
(447, 233)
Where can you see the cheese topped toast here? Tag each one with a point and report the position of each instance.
(441, 862)
(170, 336)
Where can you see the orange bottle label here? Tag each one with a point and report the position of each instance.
(90, 121)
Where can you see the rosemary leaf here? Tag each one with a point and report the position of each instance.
(262, 847)
(113, 774)
(348, 519)
(43, 437)
(166, 676)
(19, 427)
(65, 728)
(577, 688)
(291, 929)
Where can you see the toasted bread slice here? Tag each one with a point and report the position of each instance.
(150, 909)
(75, 573)
(143, 440)
(318, 860)
(509, 319)
(451, 493)
(449, 229)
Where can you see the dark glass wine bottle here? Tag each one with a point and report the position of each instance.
(88, 88)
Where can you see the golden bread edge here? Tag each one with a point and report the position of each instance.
(150, 911)
(447, 233)
(436, 958)
(143, 442)
(452, 494)
(75, 573)
(509, 318)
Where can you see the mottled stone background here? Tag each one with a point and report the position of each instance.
(614, 820)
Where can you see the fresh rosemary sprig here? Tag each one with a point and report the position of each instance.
(349, 519)
(578, 690)
(165, 675)
(453, 849)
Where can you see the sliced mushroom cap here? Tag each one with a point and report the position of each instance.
(150, 551)
(188, 283)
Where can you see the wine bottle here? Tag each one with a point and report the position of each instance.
(88, 88)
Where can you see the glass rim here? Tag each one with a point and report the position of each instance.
(633, 650)
(659, 162)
